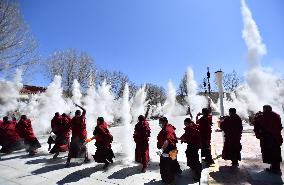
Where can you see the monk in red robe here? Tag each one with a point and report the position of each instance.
(193, 140)
(267, 128)
(104, 153)
(233, 128)
(167, 140)
(25, 130)
(78, 148)
(205, 124)
(10, 139)
(141, 136)
(61, 128)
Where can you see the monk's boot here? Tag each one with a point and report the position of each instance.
(87, 160)
(106, 165)
(67, 165)
(235, 163)
(55, 155)
(143, 170)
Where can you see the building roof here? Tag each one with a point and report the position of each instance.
(29, 89)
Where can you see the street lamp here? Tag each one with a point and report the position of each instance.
(219, 75)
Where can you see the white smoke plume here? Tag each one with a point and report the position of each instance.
(195, 101)
(138, 104)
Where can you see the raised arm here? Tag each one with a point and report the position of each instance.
(84, 110)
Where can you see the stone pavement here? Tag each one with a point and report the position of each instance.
(251, 169)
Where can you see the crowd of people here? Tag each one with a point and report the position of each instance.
(267, 127)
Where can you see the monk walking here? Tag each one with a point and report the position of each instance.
(25, 130)
(61, 128)
(193, 140)
(205, 124)
(167, 140)
(267, 128)
(141, 136)
(233, 128)
(10, 139)
(104, 153)
(78, 148)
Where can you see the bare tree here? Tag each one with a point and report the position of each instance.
(117, 80)
(155, 94)
(231, 81)
(17, 46)
(71, 65)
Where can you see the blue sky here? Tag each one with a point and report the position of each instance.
(155, 40)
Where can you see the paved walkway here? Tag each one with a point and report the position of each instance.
(251, 169)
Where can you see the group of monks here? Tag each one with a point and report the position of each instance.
(197, 136)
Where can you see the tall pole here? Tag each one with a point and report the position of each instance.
(219, 75)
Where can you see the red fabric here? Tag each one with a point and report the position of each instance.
(55, 124)
(25, 130)
(8, 132)
(205, 124)
(66, 126)
(142, 132)
(167, 133)
(271, 123)
(78, 125)
(192, 135)
(141, 136)
(232, 127)
(103, 136)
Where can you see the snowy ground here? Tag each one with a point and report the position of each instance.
(18, 168)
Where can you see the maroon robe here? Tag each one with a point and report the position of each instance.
(168, 167)
(193, 140)
(10, 139)
(25, 130)
(205, 124)
(233, 128)
(61, 128)
(103, 143)
(141, 136)
(267, 128)
(79, 135)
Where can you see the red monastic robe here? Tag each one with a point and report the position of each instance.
(232, 127)
(205, 124)
(25, 130)
(141, 136)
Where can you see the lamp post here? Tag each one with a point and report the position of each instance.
(219, 75)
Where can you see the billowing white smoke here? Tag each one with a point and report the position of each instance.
(90, 106)
(49, 102)
(104, 103)
(263, 86)
(10, 94)
(251, 35)
(171, 107)
(126, 119)
(195, 101)
(138, 104)
(76, 92)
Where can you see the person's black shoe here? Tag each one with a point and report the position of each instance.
(106, 165)
(87, 160)
(143, 170)
(277, 172)
(67, 165)
(55, 155)
(235, 164)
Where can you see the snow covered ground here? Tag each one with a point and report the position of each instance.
(19, 168)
